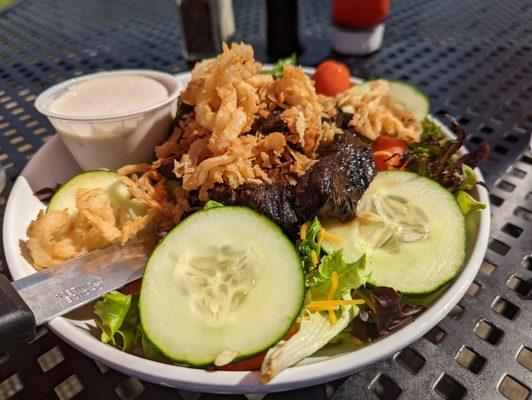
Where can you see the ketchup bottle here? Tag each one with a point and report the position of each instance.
(358, 25)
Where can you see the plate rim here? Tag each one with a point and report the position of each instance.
(248, 382)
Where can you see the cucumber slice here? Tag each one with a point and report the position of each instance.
(408, 96)
(225, 284)
(411, 230)
(118, 194)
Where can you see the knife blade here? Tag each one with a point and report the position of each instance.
(55, 291)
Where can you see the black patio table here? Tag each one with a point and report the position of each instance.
(473, 58)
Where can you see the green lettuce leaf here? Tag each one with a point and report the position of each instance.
(310, 244)
(211, 204)
(314, 332)
(350, 276)
(468, 203)
(118, 319)
(316, 329)
(112, 309)
(430, 129)
(469, 178)
(278, 68)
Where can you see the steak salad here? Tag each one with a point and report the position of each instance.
(289, 220)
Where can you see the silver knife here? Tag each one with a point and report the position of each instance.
(52, 292)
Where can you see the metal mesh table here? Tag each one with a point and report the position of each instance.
(472, 58)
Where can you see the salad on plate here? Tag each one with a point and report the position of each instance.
(294, 213)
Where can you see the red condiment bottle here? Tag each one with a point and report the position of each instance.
(358, 25)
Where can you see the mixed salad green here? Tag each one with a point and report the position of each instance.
(342, 295)
(228, 289)
(435, 157)
(338, 301)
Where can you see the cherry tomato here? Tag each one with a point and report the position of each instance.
(254, 363)
(387, 151)
(249, 364)
(293, 330)
(331, 77)
(132, 287)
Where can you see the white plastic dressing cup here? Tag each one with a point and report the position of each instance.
(111, 119)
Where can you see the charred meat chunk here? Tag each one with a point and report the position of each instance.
(341, 120)
(333, 186)
(274, 201)
(182, 110)
(166, 169)
(269, 124)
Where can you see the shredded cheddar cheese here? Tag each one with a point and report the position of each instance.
(314, 257)
(333, 303)
(330, 295)
(334, 285)
(366, 300)
(332, 316)
(332, 237)
(303, 230)
(325, 305)
(321, 236)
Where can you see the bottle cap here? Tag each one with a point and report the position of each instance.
(356, 42)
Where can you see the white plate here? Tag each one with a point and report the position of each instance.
(53, 164)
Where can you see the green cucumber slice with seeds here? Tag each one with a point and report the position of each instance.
(223, 285)
(408, 96)
(117, 193)
(411, 230)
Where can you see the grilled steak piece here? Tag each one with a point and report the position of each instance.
(341, 120)
(274, 201)
(167, 169)
(272, 123)
(333, 186)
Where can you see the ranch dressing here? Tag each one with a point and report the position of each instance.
(112, 119)
(109, 95)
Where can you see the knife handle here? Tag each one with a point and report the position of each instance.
(17, 322)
